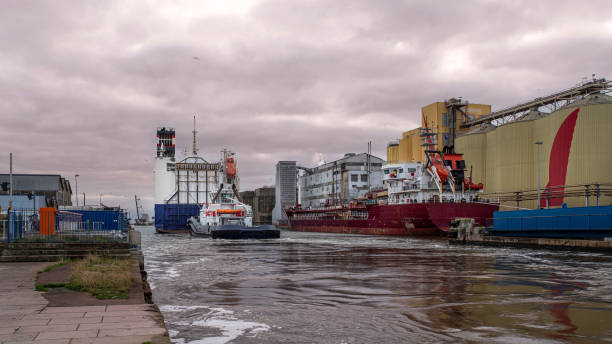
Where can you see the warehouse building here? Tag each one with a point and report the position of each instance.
(262, 201)
(47, 190)
(340, 181)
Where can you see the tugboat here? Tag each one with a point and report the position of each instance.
(226, 216)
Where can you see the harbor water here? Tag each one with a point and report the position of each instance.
(326, 288)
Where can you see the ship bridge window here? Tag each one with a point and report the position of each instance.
(364, 177)
(354, 177)
(386, 171)
(411, 170)
(401, 170)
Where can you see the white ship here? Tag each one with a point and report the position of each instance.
(226, 216)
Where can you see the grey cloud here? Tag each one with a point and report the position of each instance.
(84, 84)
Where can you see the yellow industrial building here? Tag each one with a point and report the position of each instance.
(504, 157)
(437, 117)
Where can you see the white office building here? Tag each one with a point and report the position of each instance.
(340, 181)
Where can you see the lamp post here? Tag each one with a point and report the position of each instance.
(539, 143)
(10, 207)
(76, 188)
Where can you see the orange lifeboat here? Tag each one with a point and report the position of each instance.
(237, 212)
(230, 167)
(441, 170)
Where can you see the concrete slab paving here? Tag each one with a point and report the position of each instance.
(24, 317)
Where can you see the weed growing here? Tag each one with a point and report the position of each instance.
(62, 262)
(103, 277)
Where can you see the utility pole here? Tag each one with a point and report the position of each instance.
(76, 189)
(539, 143)
(369, 165)
(10, 207)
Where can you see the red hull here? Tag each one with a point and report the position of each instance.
(441, 214)
(416, 219)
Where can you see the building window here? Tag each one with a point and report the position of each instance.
(364, 177)
(386, 171)
(354, 177)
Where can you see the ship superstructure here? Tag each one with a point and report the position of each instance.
(440, 179)
(165, 165)
(181, 188)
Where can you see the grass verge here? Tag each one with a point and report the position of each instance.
(103, 277)
(62, 262)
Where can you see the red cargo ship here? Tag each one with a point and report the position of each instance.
(423, 199)
(415, 219)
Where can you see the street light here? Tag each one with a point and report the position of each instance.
(76, 188)
(538, 143)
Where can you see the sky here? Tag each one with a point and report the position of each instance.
(85, 84)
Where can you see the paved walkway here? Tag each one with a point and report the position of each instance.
(25, 317)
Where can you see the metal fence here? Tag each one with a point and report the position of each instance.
(26, 226)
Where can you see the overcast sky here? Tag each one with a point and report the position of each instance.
(84, 84)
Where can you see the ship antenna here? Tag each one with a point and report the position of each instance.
(195, 149)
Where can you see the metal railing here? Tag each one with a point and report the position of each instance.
(26, 226)
(591, 193)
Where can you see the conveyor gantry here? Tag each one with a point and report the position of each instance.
(594, 86)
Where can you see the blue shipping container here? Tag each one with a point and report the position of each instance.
(579, 222)
(110, 219)
(171, 217)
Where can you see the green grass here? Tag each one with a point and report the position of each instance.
(45, 287)
(103, 277)
(62, 262)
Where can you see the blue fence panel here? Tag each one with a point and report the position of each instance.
(24, 226)
(110, 219)
(579, 222)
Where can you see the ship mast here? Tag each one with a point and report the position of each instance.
(195, 148)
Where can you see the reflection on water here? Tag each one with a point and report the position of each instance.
(327, 288)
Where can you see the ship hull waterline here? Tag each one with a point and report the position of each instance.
(171, 231)
(416, 219)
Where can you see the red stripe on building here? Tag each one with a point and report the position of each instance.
(559, 157)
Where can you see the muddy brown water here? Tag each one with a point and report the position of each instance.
(327, 288)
